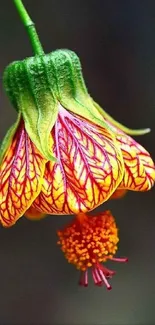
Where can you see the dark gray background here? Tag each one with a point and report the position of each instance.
(116, 43)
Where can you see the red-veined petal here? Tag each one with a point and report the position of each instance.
(21, 177)
(88, 170)
(139, 167)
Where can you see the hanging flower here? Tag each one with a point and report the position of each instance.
(87, 242)
(62, 156)
(66, 155)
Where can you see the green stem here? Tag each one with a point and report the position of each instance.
(30, 27)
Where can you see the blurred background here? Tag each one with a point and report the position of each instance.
(115, 41)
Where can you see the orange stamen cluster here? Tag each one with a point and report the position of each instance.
(89, 239)
(87, 242)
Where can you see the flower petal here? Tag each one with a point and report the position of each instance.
(89, 169)
(21, 176)
(139, 167)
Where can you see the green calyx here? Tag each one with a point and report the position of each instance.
(37, 85)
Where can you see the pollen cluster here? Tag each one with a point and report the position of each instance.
(89, 240)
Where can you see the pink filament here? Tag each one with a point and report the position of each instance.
(119, 259)
(104, 279)
(96, 277)
(108, 273)
(100, 274)
(84, 278)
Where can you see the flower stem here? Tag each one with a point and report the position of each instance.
(30, 27)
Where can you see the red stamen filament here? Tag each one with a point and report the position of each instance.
(104, 279)
(84, 279)
(119, 259)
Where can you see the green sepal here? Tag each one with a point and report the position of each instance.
(26, 82)
(71, 89)
(9, 137)
(38, 124)
(119, 125)
(73, 94)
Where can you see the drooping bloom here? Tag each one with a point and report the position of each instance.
(89, 241)
(63, 156)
